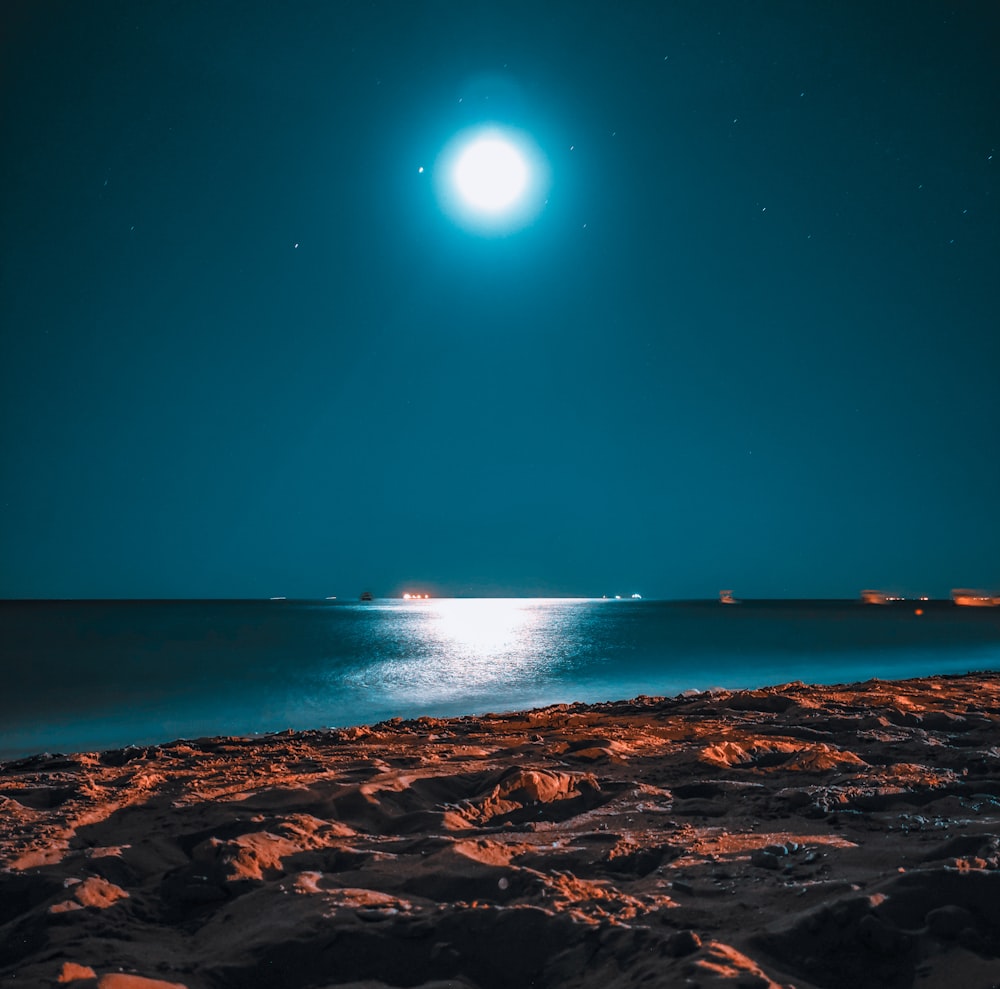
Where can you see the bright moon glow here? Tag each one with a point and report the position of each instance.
(491, 174)
(491, 180)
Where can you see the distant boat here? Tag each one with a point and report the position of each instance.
(279, 599)
(874, 597)
(367, 596)
(636, 597)
(880, 597)
(726, 597)
(975, 599)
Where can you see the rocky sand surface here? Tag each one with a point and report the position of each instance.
(843, 837)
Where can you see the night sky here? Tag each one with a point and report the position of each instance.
(750, 341)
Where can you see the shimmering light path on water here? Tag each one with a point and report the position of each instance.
(86, 675)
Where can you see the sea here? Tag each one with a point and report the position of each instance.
(93, 675)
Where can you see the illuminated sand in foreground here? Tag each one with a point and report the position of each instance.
(792, 836)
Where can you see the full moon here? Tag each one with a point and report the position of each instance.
(490, 174)
(491, 180)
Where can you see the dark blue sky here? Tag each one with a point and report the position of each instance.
(752, 340)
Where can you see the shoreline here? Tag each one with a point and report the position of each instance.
(99, 676)
(796, 835)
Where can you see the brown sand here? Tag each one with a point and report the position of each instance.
(794, 836)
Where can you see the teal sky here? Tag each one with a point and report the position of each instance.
(751, 340)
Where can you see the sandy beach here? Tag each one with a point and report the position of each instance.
(804, 836)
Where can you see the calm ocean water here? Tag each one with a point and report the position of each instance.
(99, 674)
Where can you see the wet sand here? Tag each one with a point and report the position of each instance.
(793, 836)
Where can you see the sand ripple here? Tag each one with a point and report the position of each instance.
(817, 837)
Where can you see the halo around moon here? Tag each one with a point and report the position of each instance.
(491, 180)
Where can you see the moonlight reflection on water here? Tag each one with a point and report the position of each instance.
(89, 675)
(462, 647)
